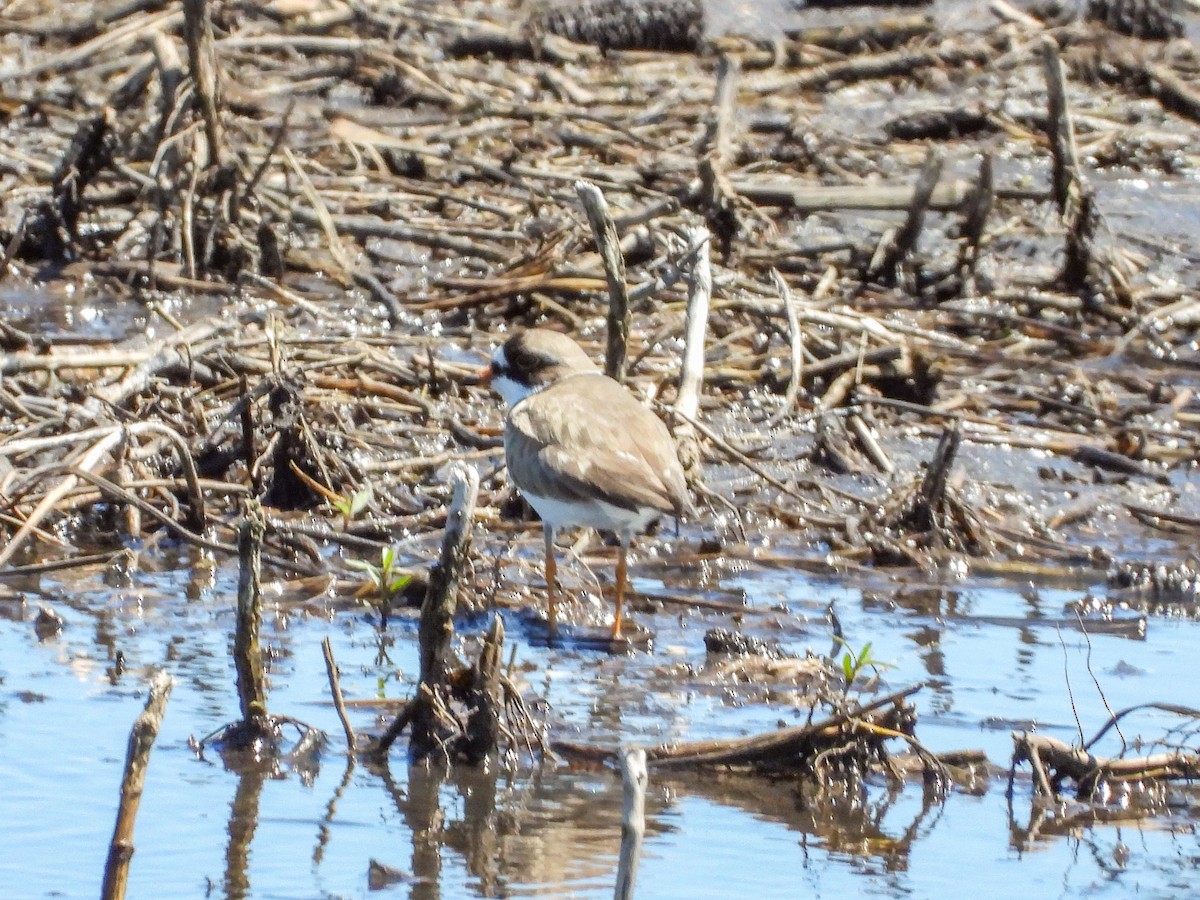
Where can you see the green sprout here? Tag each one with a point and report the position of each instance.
(349, 506)
(385, 580)
(854, 664)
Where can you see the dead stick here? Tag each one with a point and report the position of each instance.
(869, 441)
(202, 58)
(441, 596)
(1059, 128)
(906, 240)
(930, 497)
(797, 195)
(1081, 220)
(717, 196)
(720, 128)
(633, 819)
(691, 376)
(795, 348)
(137, 760)
(483, 727)
(738, 456)
(853, 36)
(605, 233)
(177, 348)
(90, 460)
(197, 518)
(335, 688)
(378, 749)
(112, 489)
(10, 251)
(56, 565)
(111, 39)
(979, 207)
(1004, 10)
(664, 280)
(247, 653)
(1172, 91)
(744, 751)
(865, 66)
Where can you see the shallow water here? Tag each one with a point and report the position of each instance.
(995, 654)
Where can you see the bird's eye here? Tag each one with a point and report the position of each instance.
(522, 360)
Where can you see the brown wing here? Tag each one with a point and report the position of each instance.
(586, 436)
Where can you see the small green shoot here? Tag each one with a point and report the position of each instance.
(854, 664)
(386, 580)
(349, 506)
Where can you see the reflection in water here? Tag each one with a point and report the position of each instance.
(476, 836)
(533, 827)
(929, 639)
(847, 819)
(331, 808)
(554, 828)
(243, 821)
(495, 831)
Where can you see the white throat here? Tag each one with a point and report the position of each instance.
(510, 391)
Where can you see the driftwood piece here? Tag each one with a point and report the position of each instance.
(604, 232)
(691, 375)
(795, 195)
(206, 73)
(1055, 762)
(787, 748)
(977, 209)
(441, 595)
(247, 651)
(436, 728)
(1059, 128)
(905, 240)
(633, 819)
(256, 739)
(137, 761)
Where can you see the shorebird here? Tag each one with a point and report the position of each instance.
(581, 449)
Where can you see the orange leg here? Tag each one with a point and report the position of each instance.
(551, 581)
(616, 629)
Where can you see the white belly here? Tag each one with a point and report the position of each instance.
(592, 514)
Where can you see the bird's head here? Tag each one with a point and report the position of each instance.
(531, 360)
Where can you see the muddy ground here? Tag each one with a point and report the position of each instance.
(301, 263)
